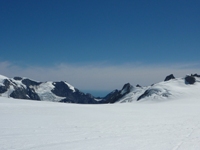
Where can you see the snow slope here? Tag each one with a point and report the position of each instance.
(33, 125)
(165, 90)
(44, 92)
(2, 78)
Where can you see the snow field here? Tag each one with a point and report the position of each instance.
(33, 125)
(174, 89)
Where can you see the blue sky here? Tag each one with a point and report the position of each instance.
(99, 44)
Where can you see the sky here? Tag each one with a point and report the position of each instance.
(99, 45)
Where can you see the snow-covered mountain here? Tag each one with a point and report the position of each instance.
(24, 88)
(170, 125)
(170, 88)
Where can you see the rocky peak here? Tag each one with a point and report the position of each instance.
(17, 78)
(126, 89)
(138, 86)
(116, 94)
(169, 77)
(190, 79)
(29, 82)
(195, 75)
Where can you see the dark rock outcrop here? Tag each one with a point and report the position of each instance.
(190, 80)
(152, 91)
(63, 90)
(116, 95)
(32, 94)
(18, 78)
(6, 83)
(126, 89)
(5, 87)
(18, 91)
(195, 75)
(112, 97)
(29, 82)
(138, 85)
(169, 77)
(26, 89)
(147, 93)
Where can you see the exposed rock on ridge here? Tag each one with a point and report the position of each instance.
(190, 80)
(24, 88)
(169, 77)
(116, 95)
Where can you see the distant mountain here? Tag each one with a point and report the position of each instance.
(24, 88)
(170, 88)
(116, 95)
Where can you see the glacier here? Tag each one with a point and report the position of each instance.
(41, 125)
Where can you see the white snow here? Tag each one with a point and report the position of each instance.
(177, 89)
(123, 91)
(8, 92)
(96, 99)
(11, 89)
(70, 87)
(133, 95)
(18, 83)
(2, 78)
(43, 91)
(33, 125)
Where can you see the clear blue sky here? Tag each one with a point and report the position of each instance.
(49, 32)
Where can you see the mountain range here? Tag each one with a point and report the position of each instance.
(169, 88)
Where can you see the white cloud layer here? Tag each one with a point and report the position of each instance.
(102, 77)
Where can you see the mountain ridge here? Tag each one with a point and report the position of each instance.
(61, 91)
(169, 89)
(24, 88)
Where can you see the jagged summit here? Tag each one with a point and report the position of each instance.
(169, 77)
(25, 88)
(186, 87)
(115, 95)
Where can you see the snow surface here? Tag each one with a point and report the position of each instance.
(34, 125)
